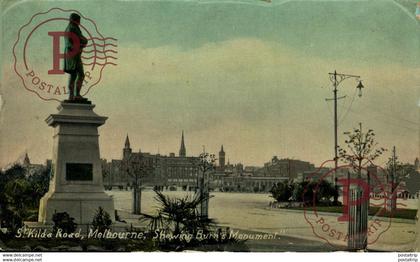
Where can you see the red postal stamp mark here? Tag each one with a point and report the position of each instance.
(39, 53)
(372, 204)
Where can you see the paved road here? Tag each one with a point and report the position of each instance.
(250, 212)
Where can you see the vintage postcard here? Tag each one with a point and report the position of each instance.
(210, 125)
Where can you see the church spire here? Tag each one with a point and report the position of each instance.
(127, 142)
(127, 149)
(222, 156)
(26, 161)
(182, 151)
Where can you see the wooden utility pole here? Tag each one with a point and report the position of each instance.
(336, 79)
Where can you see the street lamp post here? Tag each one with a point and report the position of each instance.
(336, 79)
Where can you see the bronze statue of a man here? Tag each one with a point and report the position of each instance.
(72, 59)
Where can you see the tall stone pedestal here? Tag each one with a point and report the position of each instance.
(76, 185)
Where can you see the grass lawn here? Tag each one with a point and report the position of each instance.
(399, 213)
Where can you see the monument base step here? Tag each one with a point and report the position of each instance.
(80, 206)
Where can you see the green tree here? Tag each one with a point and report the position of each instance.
(311, 192)
(304, 192)
(397, 172)
(325, 191)
(138, 168)
(39, 182)
(206, 164)
(17, 200)
(11, 174)
(361, 149)
(282, 191)
(20, 194)
(10, 217)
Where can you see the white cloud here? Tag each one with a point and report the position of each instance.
(258, 98)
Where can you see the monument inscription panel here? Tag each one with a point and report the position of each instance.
(79, 172)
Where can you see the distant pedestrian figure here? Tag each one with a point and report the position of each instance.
(72, 59)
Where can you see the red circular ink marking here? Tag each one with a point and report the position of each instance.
(320, 179)
(91, 38)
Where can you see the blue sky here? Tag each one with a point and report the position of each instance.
(248, 74)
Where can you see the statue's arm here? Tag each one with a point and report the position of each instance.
(76, 30)
(83, 40)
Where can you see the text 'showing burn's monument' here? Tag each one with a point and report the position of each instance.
(76, 185)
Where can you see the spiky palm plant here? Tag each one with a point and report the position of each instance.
(178, 215)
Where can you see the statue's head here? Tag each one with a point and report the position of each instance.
(75, 18)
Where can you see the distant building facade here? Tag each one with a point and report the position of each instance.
(154, 169)
(171, 172)
(289, 168)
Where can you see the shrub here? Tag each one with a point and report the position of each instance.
(282, 191)
(101, 220)
(64, 222)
